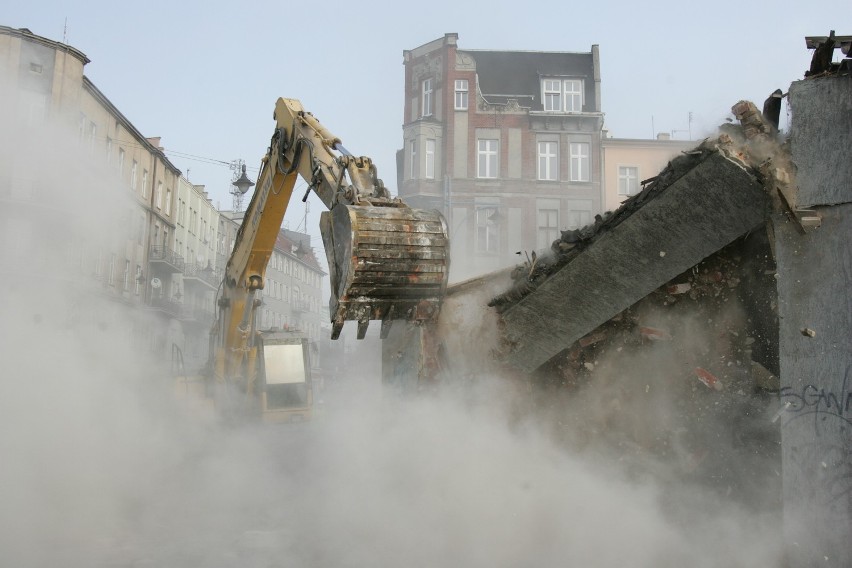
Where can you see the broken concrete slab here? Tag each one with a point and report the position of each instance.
(720, 199)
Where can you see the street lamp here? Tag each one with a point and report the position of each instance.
(241, 185)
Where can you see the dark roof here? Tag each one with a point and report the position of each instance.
(298, 245)
(517, 74)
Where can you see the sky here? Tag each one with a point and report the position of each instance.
(204, 76)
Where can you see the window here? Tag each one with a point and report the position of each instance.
(552, 95)
(121, 161)
(133, 169)
(111, 273)
(548, 161)
(158, 197)
(573, 95)
(486, 158)
(168, 201)
(138, 279)
(81, 127)
(461, 94)
(430, 158)
(579, 161)
(486, 230)
(93, 131)
(99, 263)
(562, 95)
(145, 183)
(427, 98)
(126, 275)
(109, 150)
(548, 227)
(412, 167)
(628, 180)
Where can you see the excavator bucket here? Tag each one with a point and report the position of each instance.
(385, 263)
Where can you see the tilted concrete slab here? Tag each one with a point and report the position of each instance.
(704, 210)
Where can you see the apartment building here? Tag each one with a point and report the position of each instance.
(197, 225)
(505, 143)
(85, 192)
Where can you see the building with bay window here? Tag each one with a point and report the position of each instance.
(506, 144)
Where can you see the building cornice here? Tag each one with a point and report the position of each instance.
(27, 35)
(143, 141)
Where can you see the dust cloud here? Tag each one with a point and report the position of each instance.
(103, 466)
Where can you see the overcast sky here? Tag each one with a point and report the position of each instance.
(205, 75)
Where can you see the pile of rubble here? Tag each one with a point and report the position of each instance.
(686, 377)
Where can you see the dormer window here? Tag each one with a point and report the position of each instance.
(562, 95)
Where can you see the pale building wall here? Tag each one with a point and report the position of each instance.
(650, 157)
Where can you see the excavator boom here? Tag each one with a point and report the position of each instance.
(386, 260)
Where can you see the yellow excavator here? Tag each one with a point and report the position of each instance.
(386, 260)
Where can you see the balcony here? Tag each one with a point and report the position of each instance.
(168, 306)
(197, 315)
(164, 259)
(206, 277)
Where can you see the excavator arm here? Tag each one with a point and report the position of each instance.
(386, 260)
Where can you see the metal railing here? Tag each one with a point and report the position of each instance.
(168, 305)
(198, 314)
(165, 254)
(207, 274)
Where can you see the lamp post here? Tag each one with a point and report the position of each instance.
(241, 186)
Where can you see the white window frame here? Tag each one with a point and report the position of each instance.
(579, 153)
(548, 160)
(133, 171)
(628, 180)
(121, 161)
(461, 88)
(551, 95)
(426, 106)
(412, 159)
(573, 95)
(547, 223)
(93, 132)
(487, 230)
(159, 195)
(168, 201)
(144, 183)
(487, 158)
(430, 158)
(562, 95)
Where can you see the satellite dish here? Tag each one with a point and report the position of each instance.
(155, 283)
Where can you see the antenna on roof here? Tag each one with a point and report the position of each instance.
(65, 31)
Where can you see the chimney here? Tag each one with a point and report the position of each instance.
(664, 136)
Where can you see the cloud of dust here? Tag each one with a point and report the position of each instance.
(102, 467)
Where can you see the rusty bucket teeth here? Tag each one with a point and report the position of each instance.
(385, 263)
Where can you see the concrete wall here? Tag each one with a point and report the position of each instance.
(814, 287)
